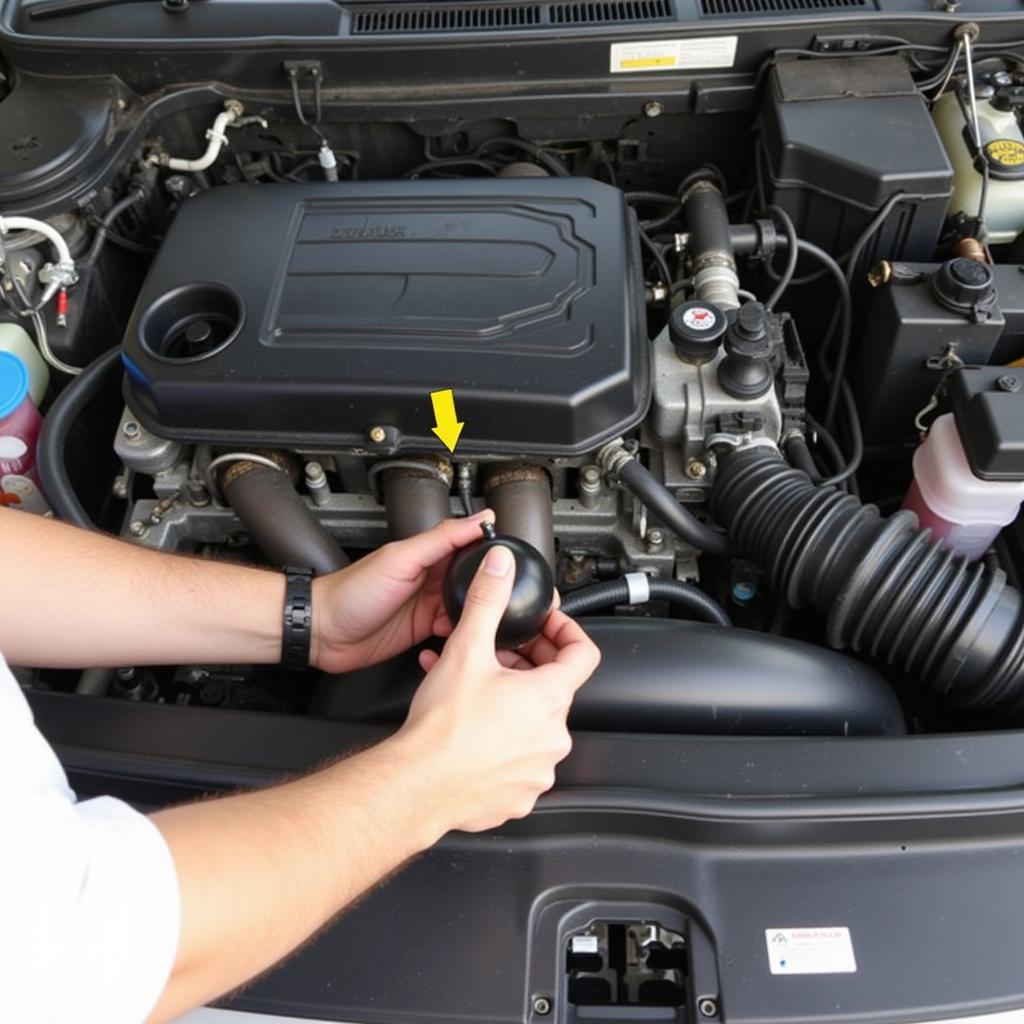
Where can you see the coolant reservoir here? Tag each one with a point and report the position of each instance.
(960, 508)
(1003, 145)
(14, 339)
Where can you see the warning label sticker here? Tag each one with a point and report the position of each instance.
(810, 951)
(674, 54)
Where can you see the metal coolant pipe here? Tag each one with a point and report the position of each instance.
(416, 495)
(278, 520)
(520, 495)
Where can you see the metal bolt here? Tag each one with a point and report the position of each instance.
(1008, 383)
(655, 539)
(138, 529)
(654, 109)
(590, 475)
(314, 472)
(378, 435)
(708, 1007)
(541, 1005)
(131, 429)
(120, 487)
(696, 470)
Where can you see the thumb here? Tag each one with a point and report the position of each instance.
(486, 601)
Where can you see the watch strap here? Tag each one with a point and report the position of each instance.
(298, 618)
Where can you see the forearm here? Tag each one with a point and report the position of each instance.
(72, 598)
(261, 872)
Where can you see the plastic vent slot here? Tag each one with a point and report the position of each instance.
(598, 13)
(381, 21)
(412, 20)
(721, 8)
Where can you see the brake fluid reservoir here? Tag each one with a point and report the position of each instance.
(960, 508)
(1002, 146)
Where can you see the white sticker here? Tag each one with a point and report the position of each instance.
(810, 951)
(584, 944)
(698, 318)
(674, 54)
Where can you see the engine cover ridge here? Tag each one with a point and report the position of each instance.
(307, 315)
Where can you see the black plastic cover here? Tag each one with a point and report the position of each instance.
(666, 676)
(988, 405)
(841, 137)
(336, 308)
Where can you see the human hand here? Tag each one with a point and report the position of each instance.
(388, 601)
(488, 728)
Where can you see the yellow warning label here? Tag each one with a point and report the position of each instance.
(648, 62)
(1005, 152)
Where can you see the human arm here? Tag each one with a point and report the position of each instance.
(75, 598)
(262, 871)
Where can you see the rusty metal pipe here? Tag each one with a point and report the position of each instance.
(520, 495)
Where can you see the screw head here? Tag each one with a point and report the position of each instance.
(696, 470)
(708, 1007)
(130, 429)
(378, 435)
(138, 529)
(541, 1005)
(655, 108)
(591, 475)
(314, 471)
(655, 539)
(1008, 382)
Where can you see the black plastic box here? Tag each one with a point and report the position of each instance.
(840, 137)
(308, 315)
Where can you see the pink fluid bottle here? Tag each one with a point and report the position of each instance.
(20, 423)
(961, 509)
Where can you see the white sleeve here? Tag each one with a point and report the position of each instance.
(89, 904)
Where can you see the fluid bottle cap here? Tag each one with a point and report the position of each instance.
(963, 283)
(696, 329)
(13, 383)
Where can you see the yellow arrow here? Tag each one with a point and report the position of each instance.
(448, 428)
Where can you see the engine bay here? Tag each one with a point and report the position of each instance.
(743, 359)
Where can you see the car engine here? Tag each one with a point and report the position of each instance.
(748, 373)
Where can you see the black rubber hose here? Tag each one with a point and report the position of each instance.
(677, 592)
(799, 455)
(136, 195)
(884, 585)
(668, 511)
(53, 438)
(278, 520)
(707, 220)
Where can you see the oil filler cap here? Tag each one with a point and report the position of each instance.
(965, 286)
(696, 329)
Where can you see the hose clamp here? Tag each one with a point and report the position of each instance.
(638, 587)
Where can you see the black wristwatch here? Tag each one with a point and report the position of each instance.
(298, 618)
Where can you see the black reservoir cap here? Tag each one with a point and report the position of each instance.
(963, 284)
(988, 405)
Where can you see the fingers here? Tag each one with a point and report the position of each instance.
(486, 601)
(576, 655)
(428, 659)
(514, 660)
(428, 548)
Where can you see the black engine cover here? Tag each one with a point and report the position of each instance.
(305, 315)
